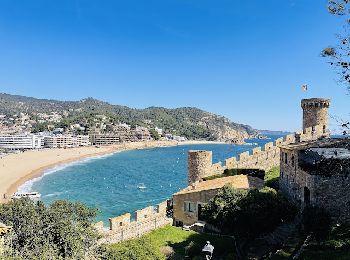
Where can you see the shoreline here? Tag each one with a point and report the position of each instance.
(17, 173)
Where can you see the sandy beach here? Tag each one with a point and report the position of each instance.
(16, 169)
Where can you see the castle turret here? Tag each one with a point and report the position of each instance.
(315, 113)
(199, 165)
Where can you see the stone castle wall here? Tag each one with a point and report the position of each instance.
(122, 228)
(328, 192)
(260, 158)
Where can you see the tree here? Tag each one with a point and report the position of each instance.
(317, 222)
(339, 54)
(248, 214)
(61, 230)
(154, 134)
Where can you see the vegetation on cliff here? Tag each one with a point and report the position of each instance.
(190, 122)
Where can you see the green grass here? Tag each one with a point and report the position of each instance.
(233, 172)
(272, 176)
(178, 239)
(337, 246)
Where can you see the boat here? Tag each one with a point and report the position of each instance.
(141, 186)
(29, 195)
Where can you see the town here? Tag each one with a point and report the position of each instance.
(16, 133)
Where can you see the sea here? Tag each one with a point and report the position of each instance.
(111, 182)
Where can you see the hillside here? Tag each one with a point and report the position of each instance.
(190, 122)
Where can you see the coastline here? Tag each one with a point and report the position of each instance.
(17, 169)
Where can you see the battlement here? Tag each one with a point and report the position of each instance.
(123, 227)
(315, 103)
(262, 158)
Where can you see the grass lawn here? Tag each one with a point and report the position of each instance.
(178, 239)
(272, 176)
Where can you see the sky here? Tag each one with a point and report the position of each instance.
(245, 60)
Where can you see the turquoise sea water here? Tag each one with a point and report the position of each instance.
(110, 183)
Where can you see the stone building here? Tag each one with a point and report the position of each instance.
(315, 168)
(187, 204)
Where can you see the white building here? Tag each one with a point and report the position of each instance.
(21, 142)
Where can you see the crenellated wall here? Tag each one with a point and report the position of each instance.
(123, 228)
(263, 158)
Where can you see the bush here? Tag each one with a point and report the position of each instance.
(248, 214)
(167, 251)
(317, 221)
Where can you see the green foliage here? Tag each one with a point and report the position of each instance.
(272, 177)
(247, 214)
(39, 127)
(317, 221)
(61, 230)
(336, 246)
(192, 123)
(134, 250)
(154, 134)
(232, 172)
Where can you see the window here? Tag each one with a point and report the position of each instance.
(293, 160)
(189, 206)
(324, 129)
(285, 158)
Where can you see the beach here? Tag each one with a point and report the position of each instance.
(18, 168)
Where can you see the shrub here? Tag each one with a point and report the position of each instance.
(248, 214)
(317, 221)
(167, 251)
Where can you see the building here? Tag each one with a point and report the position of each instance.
(66, 141)
(104, 139)
(188, 203)
(315, 169)
(21, 142)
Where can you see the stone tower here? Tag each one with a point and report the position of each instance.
(199, 165)
(315, 113)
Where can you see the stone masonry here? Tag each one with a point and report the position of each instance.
(315, 113)
(123, 228)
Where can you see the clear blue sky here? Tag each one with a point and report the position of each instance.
(246, 60)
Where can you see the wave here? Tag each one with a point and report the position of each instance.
(28, 185)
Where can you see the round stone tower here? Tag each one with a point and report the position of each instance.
(199, 165)
(315, 112)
